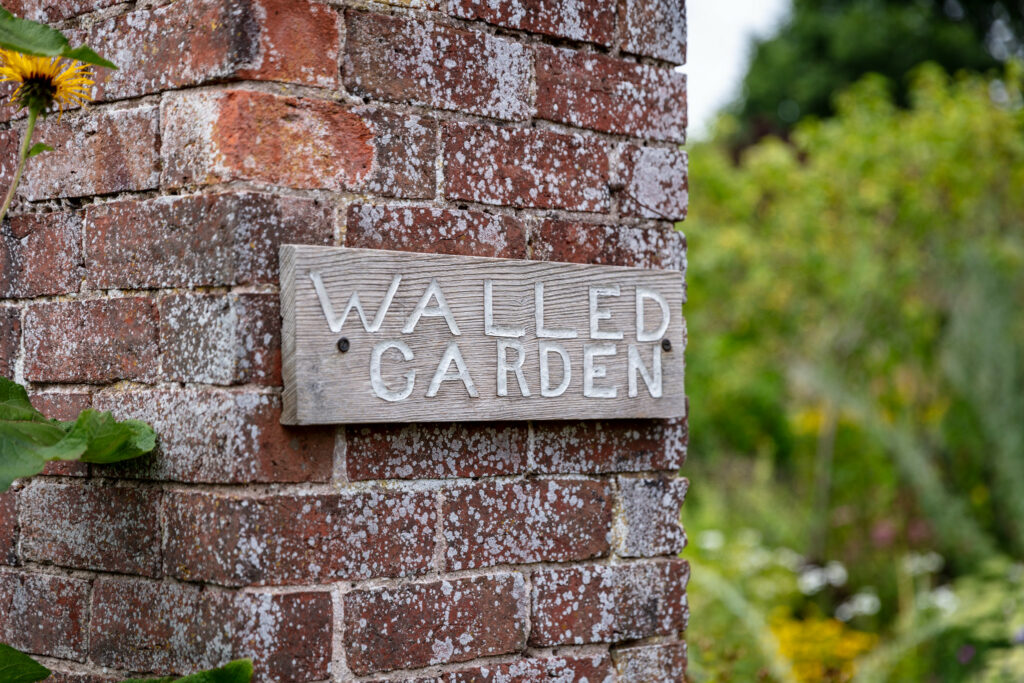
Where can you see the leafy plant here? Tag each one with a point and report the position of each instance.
(28, 440)
(17, 667)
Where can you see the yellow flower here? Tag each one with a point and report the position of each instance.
(45, 81)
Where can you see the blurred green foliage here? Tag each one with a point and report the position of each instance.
(857, 370)
(826, 45)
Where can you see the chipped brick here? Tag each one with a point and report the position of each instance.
(44, 615)
(104, 528)
(656, 28)
(421, 62)
(586, 20)
(535, 521)
(610, 95)
(434, 623)
(435, 451)
(41, 255)
(178, 629)
(219, 436)
(198, 240)
(601, 604)
(525, 168)
(434, 230)
(654, 181)
(650, 516)
(298, 539)
(94, 341)
(215, 339)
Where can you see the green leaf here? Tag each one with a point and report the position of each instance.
(16, 667)
(28, 440)
(37, 149)
(39, 40)
(238, 671)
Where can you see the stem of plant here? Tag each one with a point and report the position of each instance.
(22, 157)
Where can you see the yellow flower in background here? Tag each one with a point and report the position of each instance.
(820, 650)
(45, 81)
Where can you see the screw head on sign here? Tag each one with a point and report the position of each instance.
(343, 344)
(666, 345)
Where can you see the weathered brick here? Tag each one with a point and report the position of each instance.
(41, 255)
(655, 28)
(212, 137)
(217, 339)
(44, 615)
(435, 451)
(652, 663)
(577, 242)
(586, 20)
(525, 168)
(593, 669)
(95, 341)
(609, 446)
(654, 182)
(10, 339)
(54, 10)
(177, 629)
(192, 42)
(649, 516)
(78, 677)
(104, 528)
(9, 528)
(98, 152)
(419, 62)
(198, 240)
(534, 521)
(601, 603)
(430, 229)
(220, 436)
(435, 623)
(64, 406)
(298, 539)
(610, 95)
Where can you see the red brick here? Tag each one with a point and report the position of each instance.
(586, 20)
(577, 242)
(95, 341)
(176, 629)
(198, 240)
(298, 539)
(600, 603)
(218, 436)
(654, 182)
(216, 339)
(99, 152)
(436, 451)
(54, 10)
(405, 154)
(44, 615)
(104, 528)
(609, 446)
(41, 255)
(430, 229)
(193, 42)
(610, 95)
(10, 339)
(419, 62)
(434, 623)
(9, 528)
(525, 168)
(64, 406)
(652, 663)
(75, 677)
(649, 516)
(655, 28)
(532, 521)
(593, 669)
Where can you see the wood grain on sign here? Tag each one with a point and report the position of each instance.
(437, 338)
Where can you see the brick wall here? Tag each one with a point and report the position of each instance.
(138, 274)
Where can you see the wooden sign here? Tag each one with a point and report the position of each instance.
(384, 336)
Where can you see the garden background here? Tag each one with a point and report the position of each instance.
(856, 361)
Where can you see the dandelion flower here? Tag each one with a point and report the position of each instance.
(45, 81)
